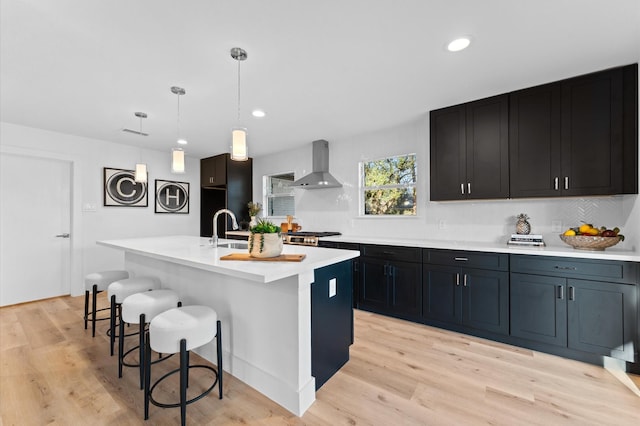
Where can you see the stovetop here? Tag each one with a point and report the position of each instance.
(313, 234)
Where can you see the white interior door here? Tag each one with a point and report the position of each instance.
(35, 211)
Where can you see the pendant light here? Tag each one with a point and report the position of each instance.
(140, 174)
(239, 134)
(177, 154)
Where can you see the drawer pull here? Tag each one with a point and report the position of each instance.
(460, 259)
(389, 253)
(566, 268)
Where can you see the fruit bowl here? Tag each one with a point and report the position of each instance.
(589, 242)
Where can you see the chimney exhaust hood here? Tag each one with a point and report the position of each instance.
(319, 177)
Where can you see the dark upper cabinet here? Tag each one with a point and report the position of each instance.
(573, 137)
(213, 170)
(469, 150)
(225, 184)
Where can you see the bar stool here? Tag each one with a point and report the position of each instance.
(141, 308)
(120, 290)
(179, 330)
(95, 283)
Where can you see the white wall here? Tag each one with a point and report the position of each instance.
(88, 157)
(337, 209)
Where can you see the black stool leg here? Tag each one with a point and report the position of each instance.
(112, 326)
(184, 374)
(147, 376)
(86, 308)
(93, 310)
(142, 349)
(219, 350)
(120, 346)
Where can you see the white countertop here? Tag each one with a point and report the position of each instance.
(611, 253)
(197, 253)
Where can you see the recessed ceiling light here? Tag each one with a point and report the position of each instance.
(258, 113)
(459, 44)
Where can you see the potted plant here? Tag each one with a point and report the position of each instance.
(254, 209)
(265, 239)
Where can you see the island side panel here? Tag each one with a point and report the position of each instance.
(266, 328)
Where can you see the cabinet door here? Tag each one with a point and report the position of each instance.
(539, 308)
(448, 151)
(592, 128)
(441, 294)
(374, 292)
(602, 318)
(485, 300)
(213, 170)
(405, 281)
(534, 141)
(487, 148)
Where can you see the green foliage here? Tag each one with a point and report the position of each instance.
(390, 186)
(265, 227)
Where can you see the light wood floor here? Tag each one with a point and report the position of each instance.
(52, 371)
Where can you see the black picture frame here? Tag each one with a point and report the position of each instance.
(121, 190)
(171, 197)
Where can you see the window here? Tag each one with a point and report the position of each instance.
(388, 186)
(279, 199)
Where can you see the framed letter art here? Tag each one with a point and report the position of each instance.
(121, 190)
(172, 197)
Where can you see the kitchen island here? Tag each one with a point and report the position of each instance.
(264, 307)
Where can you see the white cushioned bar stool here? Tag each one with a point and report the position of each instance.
(120, 290)
(141, 308)
(95, 283)
(180, 330)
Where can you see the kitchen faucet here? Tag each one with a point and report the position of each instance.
(234, 225)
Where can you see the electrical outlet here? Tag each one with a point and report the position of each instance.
(556, 226)
(442, 224)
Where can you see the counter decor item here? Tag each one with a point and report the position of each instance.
(254, 209)
(265, 239)
(523, 227)
(588, 237)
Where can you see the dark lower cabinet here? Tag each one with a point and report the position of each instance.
(390, 286)
(474, 298)
(597, 317)
(331, 320)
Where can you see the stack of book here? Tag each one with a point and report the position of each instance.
(526, 240)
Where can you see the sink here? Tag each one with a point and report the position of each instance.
(239, 245)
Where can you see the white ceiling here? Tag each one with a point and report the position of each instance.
(326, 69)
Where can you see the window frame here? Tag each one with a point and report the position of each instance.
(266, 194)
(362, 189)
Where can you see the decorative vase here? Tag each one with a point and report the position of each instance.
(265, 245)
(253, 222)
(522, 226)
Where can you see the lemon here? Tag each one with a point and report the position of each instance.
(593, 231)
(569, 233)
(585, 229)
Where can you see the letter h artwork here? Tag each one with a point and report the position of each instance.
(172, 197)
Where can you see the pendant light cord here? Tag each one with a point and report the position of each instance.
(239, 92)
(178, 121)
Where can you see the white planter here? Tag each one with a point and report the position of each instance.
(265, 245)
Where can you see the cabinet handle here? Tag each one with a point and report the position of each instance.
(560, 292)
(385, 270)
(462, 188)
(555, 183)
(572, 293)
(389, 253)
(460, 259)
(468, 187)
(457, 279)
(211, 180)
(566, 268)
(464, 280)
(566, 182)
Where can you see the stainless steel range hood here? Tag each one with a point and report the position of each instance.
(320, 177)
